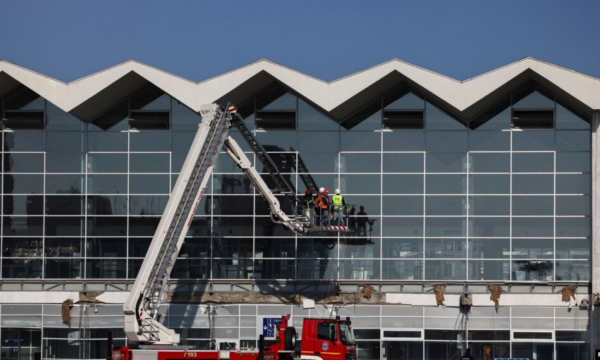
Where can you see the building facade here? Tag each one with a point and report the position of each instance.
(487, 182)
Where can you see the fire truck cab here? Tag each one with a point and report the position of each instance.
(322, 339)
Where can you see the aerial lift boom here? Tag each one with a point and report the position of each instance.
(142, 323)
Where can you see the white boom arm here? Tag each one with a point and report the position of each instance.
(142, 323)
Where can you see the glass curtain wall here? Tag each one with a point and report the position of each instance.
(431, 198)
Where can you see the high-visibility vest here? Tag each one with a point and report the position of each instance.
(338, 202)
(319, 200)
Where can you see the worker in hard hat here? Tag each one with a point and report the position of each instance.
(317, 205)
(322, 203)
(338, 208)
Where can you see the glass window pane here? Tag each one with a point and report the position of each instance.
(539, 140)
(318, 142)
(360, 141)
(65, 142)
(445, 205)
(403, 141)
(360, 163)
(310, 118)
(446, 162)
(23, 184)
(63, 269)
(535, 100)
(182, 141)
(150, 141)
(533, 184)
(106, 163)
(32, 268)
(63, 247)
(22, 247)
(489, 205)
(149, 184)
(402, 269)
(489, 227)
(573, 227)
(533, 227)
(532, 205)
(445, 248)
(360, 184)
(410, 101)
(567, 120)
(146, 226)
(139, 246)
(403, 184)
(107, 141)
(106, 205)
(444, 226)
(284, 140)
(489, 140)
(22, 226)
(65, 184)
(399, 226)
(532, 248)
(403, 248)
(446, 184)
(24, 141)
(447, 141)
(573, 162)
(446, 270)
(183, 118)
(359, 269)
(533, 162)
(489, 248)
(105, 269)
(489, 270)
(64, 226)
(437, 119)
(65, 163)
(147, 204)
(573, 205)
(149, 163)
(64, 205)
(501, 121)
(489, 184)
(23, 163)
(573, 141)
(489, 162)
(403, 162)
(572, 270)
(106, 247)
(106, 226)
(403, 205)
(193, 247)
(573, 184)
(573, 248)
(23, 205)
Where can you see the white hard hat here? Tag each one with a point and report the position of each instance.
(321, 189)
(337, 191)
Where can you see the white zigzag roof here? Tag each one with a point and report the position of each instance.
(329, 96)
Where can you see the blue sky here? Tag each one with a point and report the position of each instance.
(326, 39)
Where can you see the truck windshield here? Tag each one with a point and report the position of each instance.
(346, 334)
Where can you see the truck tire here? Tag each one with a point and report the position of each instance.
(289, 338)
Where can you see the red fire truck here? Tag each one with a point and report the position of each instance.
(322, 339)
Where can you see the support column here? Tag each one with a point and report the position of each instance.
(595, 251)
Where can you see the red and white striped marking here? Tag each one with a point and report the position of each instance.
(232, 109)
(335, 228)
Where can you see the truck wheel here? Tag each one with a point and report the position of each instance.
(289, 338)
